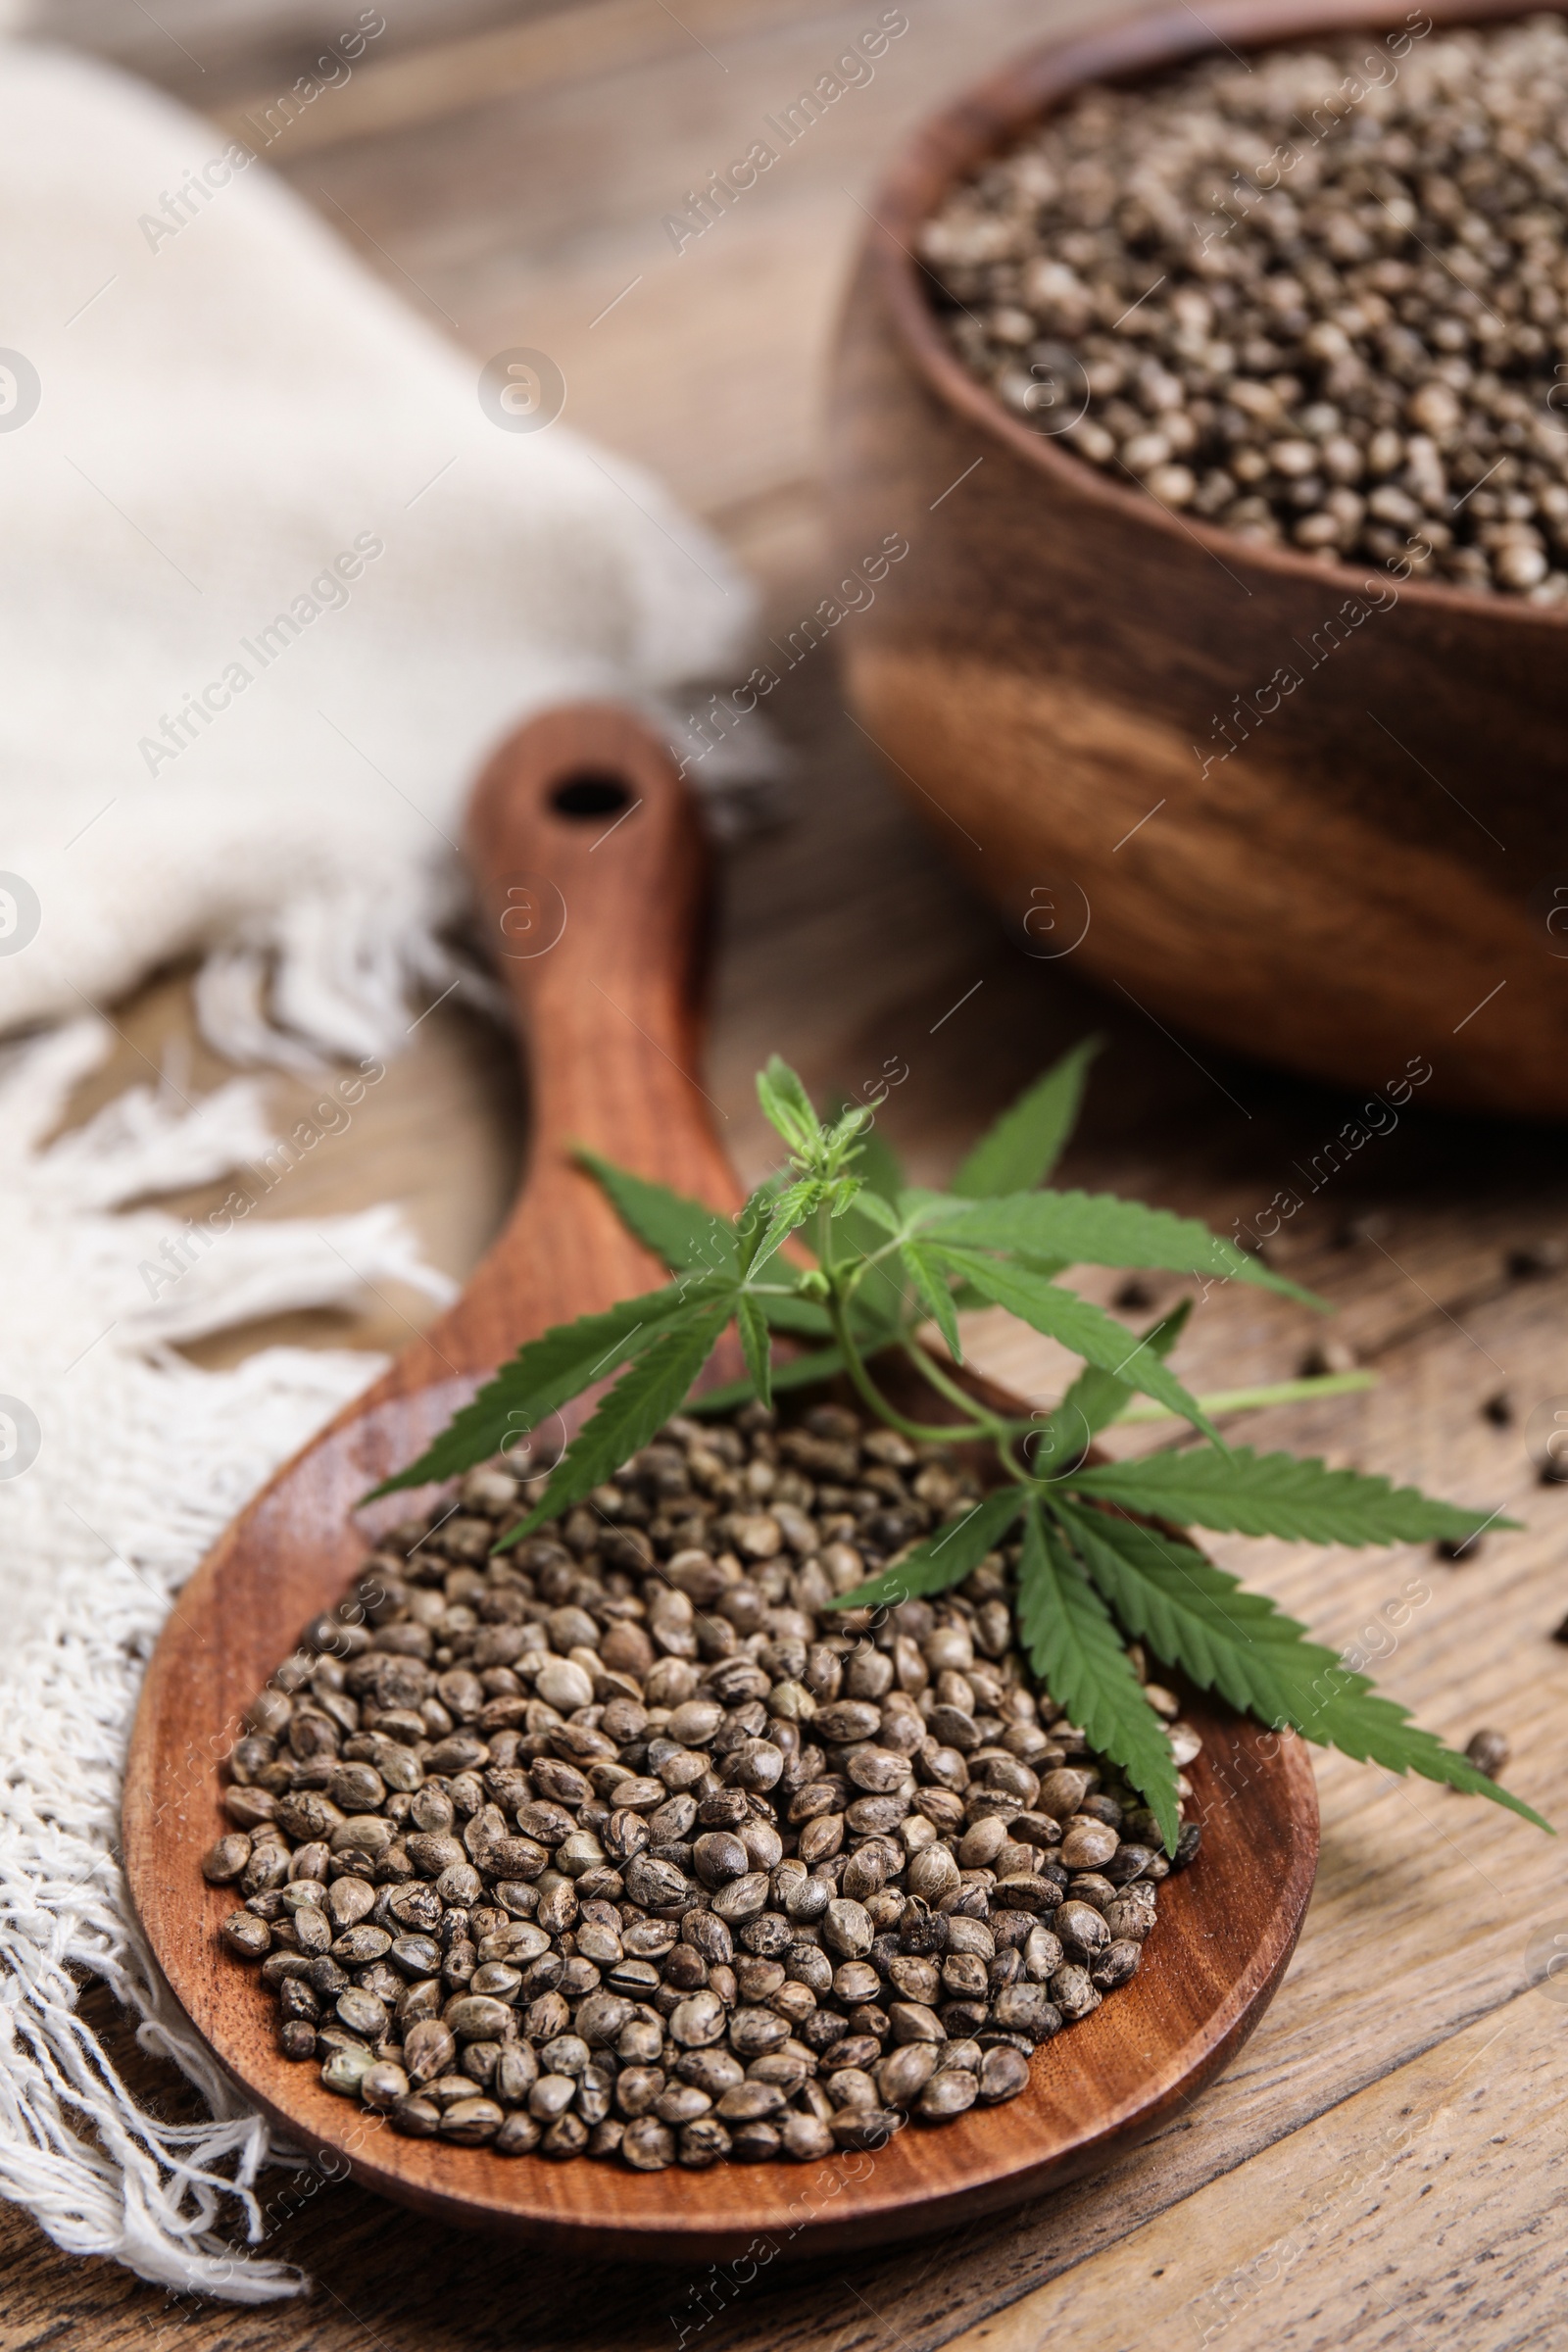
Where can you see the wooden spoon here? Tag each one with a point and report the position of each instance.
(592, 877)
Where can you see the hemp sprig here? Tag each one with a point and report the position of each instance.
(1097, 1564)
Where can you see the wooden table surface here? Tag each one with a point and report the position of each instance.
(1384, 2163)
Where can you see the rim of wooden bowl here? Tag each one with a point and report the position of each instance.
(995, 113)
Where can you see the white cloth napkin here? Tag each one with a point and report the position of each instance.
(272, 581)
(120, 1463)
(274, 577)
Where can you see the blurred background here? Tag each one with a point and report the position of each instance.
(507, 168)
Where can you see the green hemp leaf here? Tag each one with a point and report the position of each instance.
(837, 1252)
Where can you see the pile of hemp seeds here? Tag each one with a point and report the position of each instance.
(620, 1844)
(1327, 321)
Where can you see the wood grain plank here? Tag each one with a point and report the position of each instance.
(1425, 2210)
(211, 51)
(549, 48)
(523, 213)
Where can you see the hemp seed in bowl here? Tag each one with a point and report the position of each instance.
(1318, 297)
(624, 1843)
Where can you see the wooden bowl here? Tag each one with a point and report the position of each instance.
(1366, 883)
(614, 995)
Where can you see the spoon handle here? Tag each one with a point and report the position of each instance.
(594, 886)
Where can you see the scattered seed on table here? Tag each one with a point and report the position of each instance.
(1547, 1254)
(1487, 1752)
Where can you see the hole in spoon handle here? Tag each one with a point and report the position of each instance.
(591, 870)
